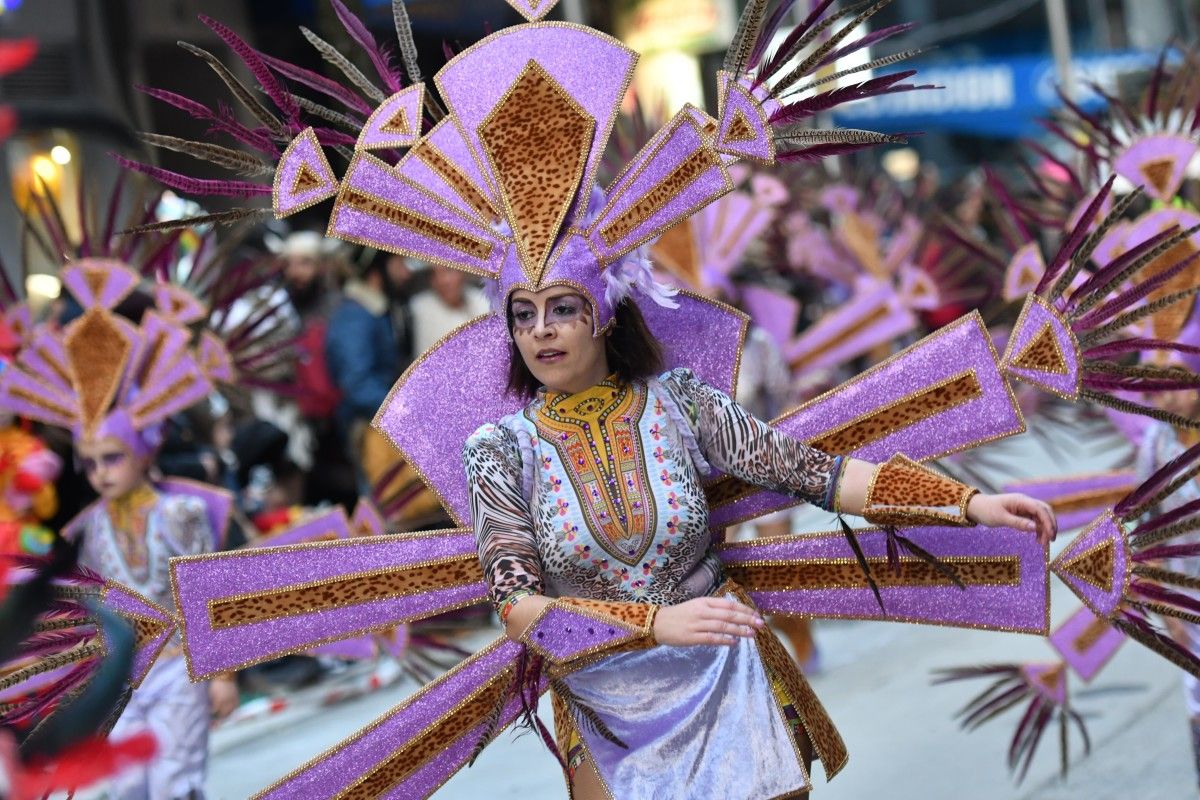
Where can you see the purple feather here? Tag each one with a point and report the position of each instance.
(1155, 84)
(1163, 520)
(1167, 551)
(1075, 239)
(1127, 298)
(1159, 480)
(820, 151)
(866, 41)
(200, 111)
(776, 61)
(1006, 199)
(1161, 594)
(1140, 629)
(318, 83)
(359, 33)
(196, 186)
(258, 68)
(1108, 382)
(1035, 706)
(1123, 346)
(793, 112)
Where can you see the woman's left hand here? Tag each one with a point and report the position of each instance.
(1017, 511)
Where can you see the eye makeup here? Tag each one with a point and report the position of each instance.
(560, 309)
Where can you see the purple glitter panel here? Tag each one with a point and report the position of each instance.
(218, 503)
(1023, 272)
(302, 151)
(122, 601)
(1139, 160)
(681, 138)
(199, 580)
(173, 390)
(533, 9)
(443, 398)
(1104, 528)
(353, 758)
(564, 634)
(14, 379)
(214, 356)
(1073, 490)
(1034, 316)
(47, 349)
(373, 177)
(172, 342)
(825, 343)
(703, 335)
(726, 227)
(593, 68)
(737, 98)
(119, 281)
(367, 521)
(960, 346)
(774, 312)
(1020, 608)
(360, 648)
(571, 263)
(1088, 654)
(404, 106)
(1034, 675)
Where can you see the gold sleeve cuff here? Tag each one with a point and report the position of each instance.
(903, 493)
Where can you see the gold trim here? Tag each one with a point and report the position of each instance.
(1123, 539)
(764, 120)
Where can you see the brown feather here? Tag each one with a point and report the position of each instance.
(1096, 335)
(328, 114)
(877, 63)
(1120, 404)
(798, 135)
(811, 36)
(1140, 370)
(584, 715)
(404, 35)
(1169, 577)
(238, 89)
(220, 218)
(1170, 611)
(748, 28)
(1161, 494)
(234, 160)
(1169, 532)
(352, 73)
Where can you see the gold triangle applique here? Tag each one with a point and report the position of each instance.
(96, 279)
(398, 124)
(145, 629)
(306, 180)
(1052, 677)
(1042, 354)
(1159, 173)
(1095, 565)
(740, 130)
(1027, 278)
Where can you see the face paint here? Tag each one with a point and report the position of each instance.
(553, 333)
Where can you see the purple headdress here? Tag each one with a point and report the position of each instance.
(103, 376)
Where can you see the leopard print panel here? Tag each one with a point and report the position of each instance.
(846, 574)
(430, 742)
(913, 409)
(538, 139)
(1042, 354)
(903, 492)
(1095, 565)
(346, 591)
(145, 629)
(634, 615)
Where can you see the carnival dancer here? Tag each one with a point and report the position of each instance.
(113, 384)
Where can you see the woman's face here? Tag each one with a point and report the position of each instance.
(553, 332)
(110, 467)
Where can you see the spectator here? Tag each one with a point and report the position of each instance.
(448, 303)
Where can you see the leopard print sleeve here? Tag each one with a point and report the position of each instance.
(500, 514)
(737, 443)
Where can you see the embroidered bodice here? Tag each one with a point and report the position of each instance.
(599, 494)
(132, 541)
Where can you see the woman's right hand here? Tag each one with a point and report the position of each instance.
(705, 620)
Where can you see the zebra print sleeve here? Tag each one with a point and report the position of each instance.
(737, 443)
(500, 514)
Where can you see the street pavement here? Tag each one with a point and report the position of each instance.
(904, 743)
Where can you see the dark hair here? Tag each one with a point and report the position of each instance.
(633, 352)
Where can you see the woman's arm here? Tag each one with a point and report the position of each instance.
(898, 492)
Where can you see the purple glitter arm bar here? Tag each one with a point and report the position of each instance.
(1077, 499)
(938, 396)
(411, 751)
(873, 316)
(571, 627)
(1004, 572)
(246, 606)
